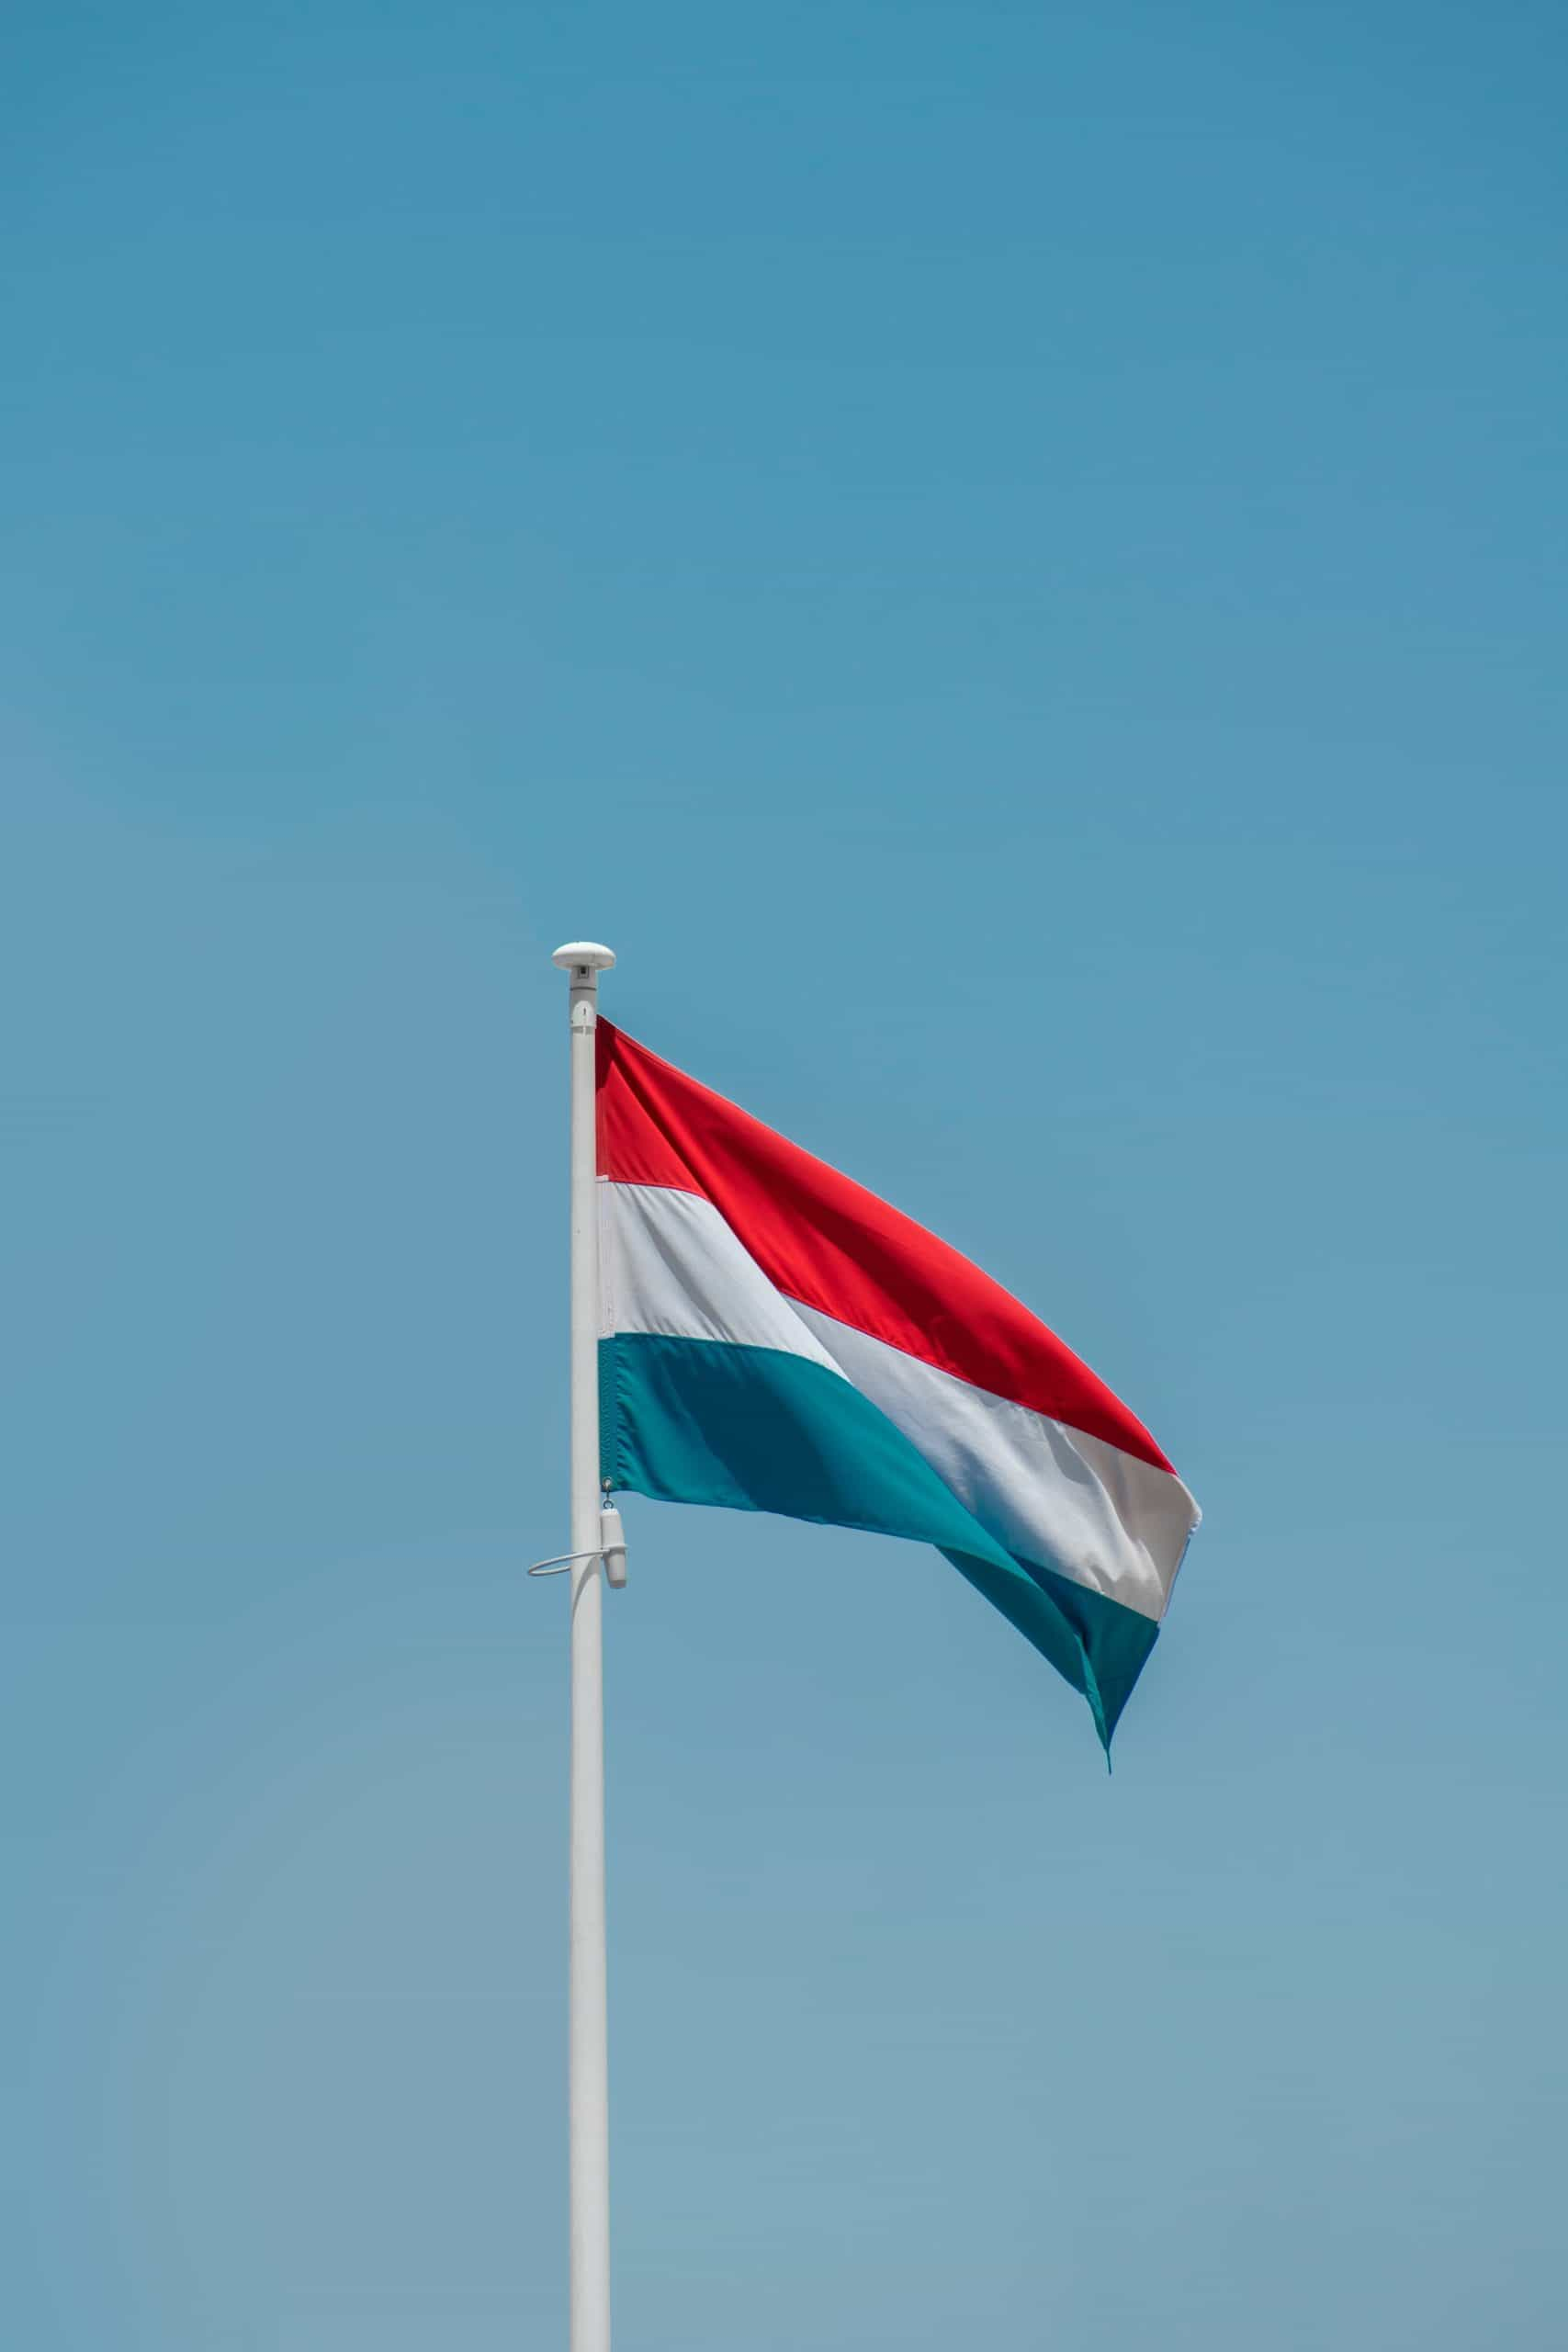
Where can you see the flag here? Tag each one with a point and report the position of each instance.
(775, 1338)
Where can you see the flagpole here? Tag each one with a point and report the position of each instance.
(588, 2061)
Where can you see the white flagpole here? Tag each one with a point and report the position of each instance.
(588, 2066)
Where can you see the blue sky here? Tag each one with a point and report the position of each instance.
(1011, 562)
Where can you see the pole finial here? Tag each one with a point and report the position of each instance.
(583, 955)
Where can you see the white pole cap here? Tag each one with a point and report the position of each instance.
(584, 954)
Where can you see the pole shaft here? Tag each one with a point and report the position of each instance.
(589, 2100)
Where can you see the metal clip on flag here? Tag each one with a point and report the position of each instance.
(611, 1548)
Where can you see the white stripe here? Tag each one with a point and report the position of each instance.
(670, 1266)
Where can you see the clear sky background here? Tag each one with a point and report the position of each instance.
(1011, 561)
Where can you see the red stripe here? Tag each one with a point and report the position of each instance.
(830, 1243)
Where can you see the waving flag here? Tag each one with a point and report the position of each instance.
(775, 1338)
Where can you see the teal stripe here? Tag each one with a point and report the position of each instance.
(752, 1429)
